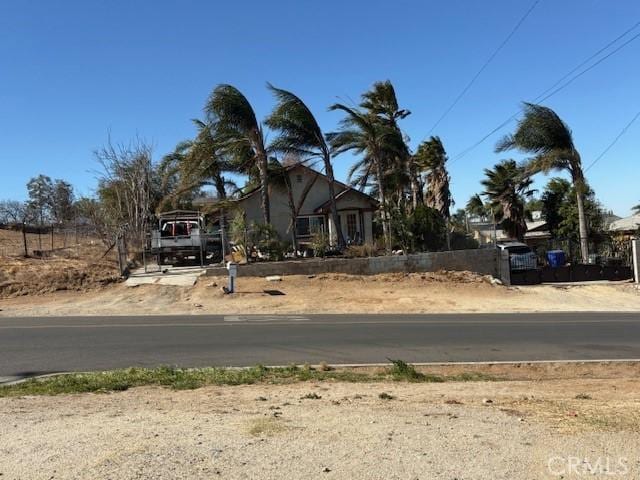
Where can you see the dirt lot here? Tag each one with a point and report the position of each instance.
(480, 430)
(331, 293)
(75, 268)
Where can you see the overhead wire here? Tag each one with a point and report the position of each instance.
(549, 92)
(615, 140)
(484, 66)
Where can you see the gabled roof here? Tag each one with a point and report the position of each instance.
(254, 190)
(325, 206)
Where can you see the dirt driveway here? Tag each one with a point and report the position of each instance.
(437, 292)
(472, 430)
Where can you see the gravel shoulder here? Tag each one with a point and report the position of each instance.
(440, 292)
(480, 430)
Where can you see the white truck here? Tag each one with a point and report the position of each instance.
(180, 236)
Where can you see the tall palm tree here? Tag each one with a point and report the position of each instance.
(363, 134)
(432, 158)
(240, 135)
(507, 187)
(299, 134)
(542, 133)
(381, 101)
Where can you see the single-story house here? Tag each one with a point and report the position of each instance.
(312, 202)
(537, 232)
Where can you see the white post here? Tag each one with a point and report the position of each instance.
(635, 253)
(331, 229)
(233, 273)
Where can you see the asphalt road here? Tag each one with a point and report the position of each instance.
(30, 346)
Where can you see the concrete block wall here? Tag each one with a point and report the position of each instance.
(483, 261)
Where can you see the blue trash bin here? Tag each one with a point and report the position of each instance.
(556, 258)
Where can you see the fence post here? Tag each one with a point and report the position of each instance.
(504, 267)
(635, 257)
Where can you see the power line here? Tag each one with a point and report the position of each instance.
(570, 81)
(587, 60)
(485, 65)
(615, 140)
(543, 97)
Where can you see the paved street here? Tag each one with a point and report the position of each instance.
(31, 346)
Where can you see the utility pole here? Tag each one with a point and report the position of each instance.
(495, 232)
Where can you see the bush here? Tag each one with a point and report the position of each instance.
(359, 251)
(423, 230)
(461, 241)
(319, 244)
(263, 237)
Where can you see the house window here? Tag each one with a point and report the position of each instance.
(352, 225)
(307, 226)
(299, 178)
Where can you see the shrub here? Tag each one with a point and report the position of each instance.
(319, 244)
(359, 251)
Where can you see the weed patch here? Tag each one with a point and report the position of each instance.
(188, 379)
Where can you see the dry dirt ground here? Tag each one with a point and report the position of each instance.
(571, 429)
(440, 292)
(78, 267)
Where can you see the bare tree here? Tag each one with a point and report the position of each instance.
(126, 186)
(18, 213)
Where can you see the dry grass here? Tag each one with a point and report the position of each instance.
(266, 426)
(76, 268)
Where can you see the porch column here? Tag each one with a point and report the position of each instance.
(635, 256)
(332, 235)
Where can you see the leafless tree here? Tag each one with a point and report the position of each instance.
(126, 186)
(18, 213)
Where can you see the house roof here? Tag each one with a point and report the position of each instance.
(626, 224)
(326, 205)
(254, 190)
(536, 226)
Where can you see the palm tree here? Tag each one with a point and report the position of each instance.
(240, 135)
(382, 102)
(299, 134)
(195, 164)
(432, 158)
(507, 187)
(636, 209)
(542, 133)
(362, 133)
(477, 208)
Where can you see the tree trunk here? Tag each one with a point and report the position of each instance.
(448, 234)
(386, 228)
(264, 188)
(416, 194)
(293, 213)
(332, 200)
(582, 221)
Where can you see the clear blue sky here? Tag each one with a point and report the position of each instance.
(73, 71)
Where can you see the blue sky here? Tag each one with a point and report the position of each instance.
(73, 71)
